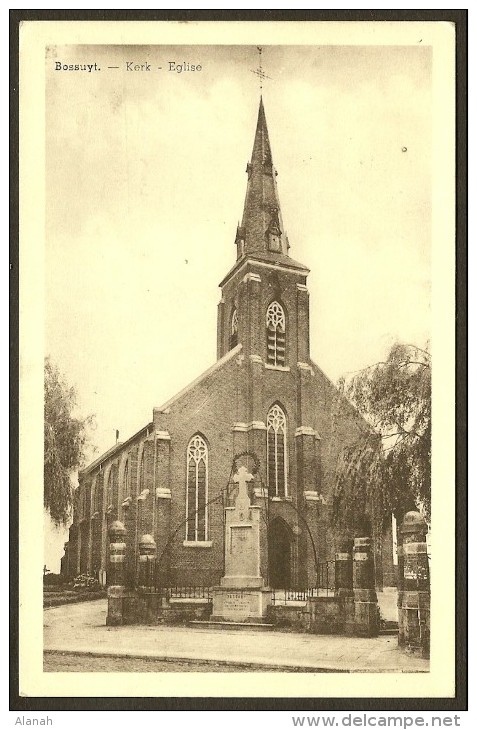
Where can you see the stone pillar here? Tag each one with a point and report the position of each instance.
(116, 573)
(146, 563)
(344, 568)
(312, 509)
(366, 614)
(344, 582)
(414, 602)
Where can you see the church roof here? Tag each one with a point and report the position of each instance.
(216, 366)
(144, 431)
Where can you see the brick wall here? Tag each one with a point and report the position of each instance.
(229, 407)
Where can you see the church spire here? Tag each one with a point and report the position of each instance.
(261, 231)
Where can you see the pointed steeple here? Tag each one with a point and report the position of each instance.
(262, 152)
(261, 231)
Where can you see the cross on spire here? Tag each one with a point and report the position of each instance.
(259, 71)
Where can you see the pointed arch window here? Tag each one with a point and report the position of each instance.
(125, 491)
(109, 490)
(92, 497)
(141, 472)
(275, 334)
(197, 490)
(277, 457)
(99, 495)
(234, 330)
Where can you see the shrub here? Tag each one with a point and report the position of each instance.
(86, 582)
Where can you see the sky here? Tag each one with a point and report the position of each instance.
(145, 184)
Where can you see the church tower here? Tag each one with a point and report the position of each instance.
(262, 253)
(265, 308)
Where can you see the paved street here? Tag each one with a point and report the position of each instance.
(66, 662)
(81, 629)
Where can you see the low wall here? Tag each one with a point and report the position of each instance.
(327, 615)
(153, 608)
(289, 616)
(319, 615)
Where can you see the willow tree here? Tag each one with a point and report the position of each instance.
(387, 470)
(65, 441)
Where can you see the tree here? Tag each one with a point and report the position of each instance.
(65, 437)
(388, 468)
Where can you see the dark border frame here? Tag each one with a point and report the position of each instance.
(459, 702)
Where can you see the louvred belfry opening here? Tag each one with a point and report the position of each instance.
(275, 334)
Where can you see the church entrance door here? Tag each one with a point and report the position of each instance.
(279, 554)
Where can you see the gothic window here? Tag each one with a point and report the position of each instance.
(93, 496)
(197, 488)
(125, 484)
(275, 334)
(277, 459)
(109, 490)
(99, 494)
(141, 473)
(233, 330)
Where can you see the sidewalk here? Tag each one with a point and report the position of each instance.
(81, 629)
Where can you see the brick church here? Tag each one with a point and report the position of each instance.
(264, 401)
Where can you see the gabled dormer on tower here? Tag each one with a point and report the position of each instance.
(265, 281)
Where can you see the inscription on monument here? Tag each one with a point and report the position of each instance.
(240, 535)
(236, 603)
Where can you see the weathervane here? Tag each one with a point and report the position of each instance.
(259, 71)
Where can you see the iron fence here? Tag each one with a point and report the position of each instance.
(188, 592)
(326, 575)
(325, 586)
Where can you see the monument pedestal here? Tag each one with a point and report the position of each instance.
(241, 605)
(241, 596)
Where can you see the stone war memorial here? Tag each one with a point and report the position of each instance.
(241, 595)
(218, 510)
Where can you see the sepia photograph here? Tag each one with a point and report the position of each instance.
(244, 260)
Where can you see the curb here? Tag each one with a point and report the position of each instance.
(255, 665)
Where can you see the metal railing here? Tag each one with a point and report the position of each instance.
(188, 592)
(289, 595)
(325, 586)
(326, 575)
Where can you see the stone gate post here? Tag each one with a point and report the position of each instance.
(344, 582)
(366, 614)
(116, 573)
(414, 599)
(147, 563)
(344, 568)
